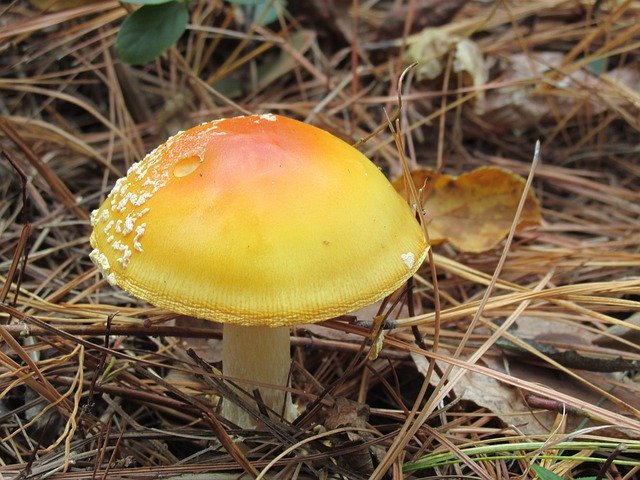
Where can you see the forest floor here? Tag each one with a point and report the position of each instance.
(519, 355)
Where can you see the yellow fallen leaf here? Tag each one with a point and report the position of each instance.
(474, 211)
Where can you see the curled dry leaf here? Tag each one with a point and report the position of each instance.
(474, 211)
(521, 104)
(429, 49)
(347, 413)
(500, 399)
(508, 403)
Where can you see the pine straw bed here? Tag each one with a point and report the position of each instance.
(94, 384)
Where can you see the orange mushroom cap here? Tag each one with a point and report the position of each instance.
(256, 220)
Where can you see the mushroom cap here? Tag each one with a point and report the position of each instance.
(256, 220)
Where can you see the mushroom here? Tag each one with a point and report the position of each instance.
(259, 222)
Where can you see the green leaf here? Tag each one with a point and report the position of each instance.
(259, 14)
(545, 474)
(598, 66)
(151, 30)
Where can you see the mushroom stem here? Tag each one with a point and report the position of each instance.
(257, 355)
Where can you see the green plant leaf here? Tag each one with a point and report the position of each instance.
(545, 474)
(150, 30)
(259, 14)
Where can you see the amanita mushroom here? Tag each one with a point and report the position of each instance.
(260, 222)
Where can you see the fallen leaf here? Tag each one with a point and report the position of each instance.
(615, 335)
(508, 403)
(209, 349)
(574, 337)
(624, 389)
(518, 107)
(474, 211)
(347, 413)
(502, 400)
(567, 343)
(429, 49)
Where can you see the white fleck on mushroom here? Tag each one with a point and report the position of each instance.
(409, 259)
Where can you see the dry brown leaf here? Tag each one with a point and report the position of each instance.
(474, 211)
(574, 336)
(500, 399)
(518, 107)
(616, 334)
(621, 386)
(347, 413)
(429, 49)
(209, 349)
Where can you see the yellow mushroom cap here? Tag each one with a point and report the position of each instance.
(256, 220)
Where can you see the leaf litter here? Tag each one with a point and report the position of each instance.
(474, 211)
(94, 384)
